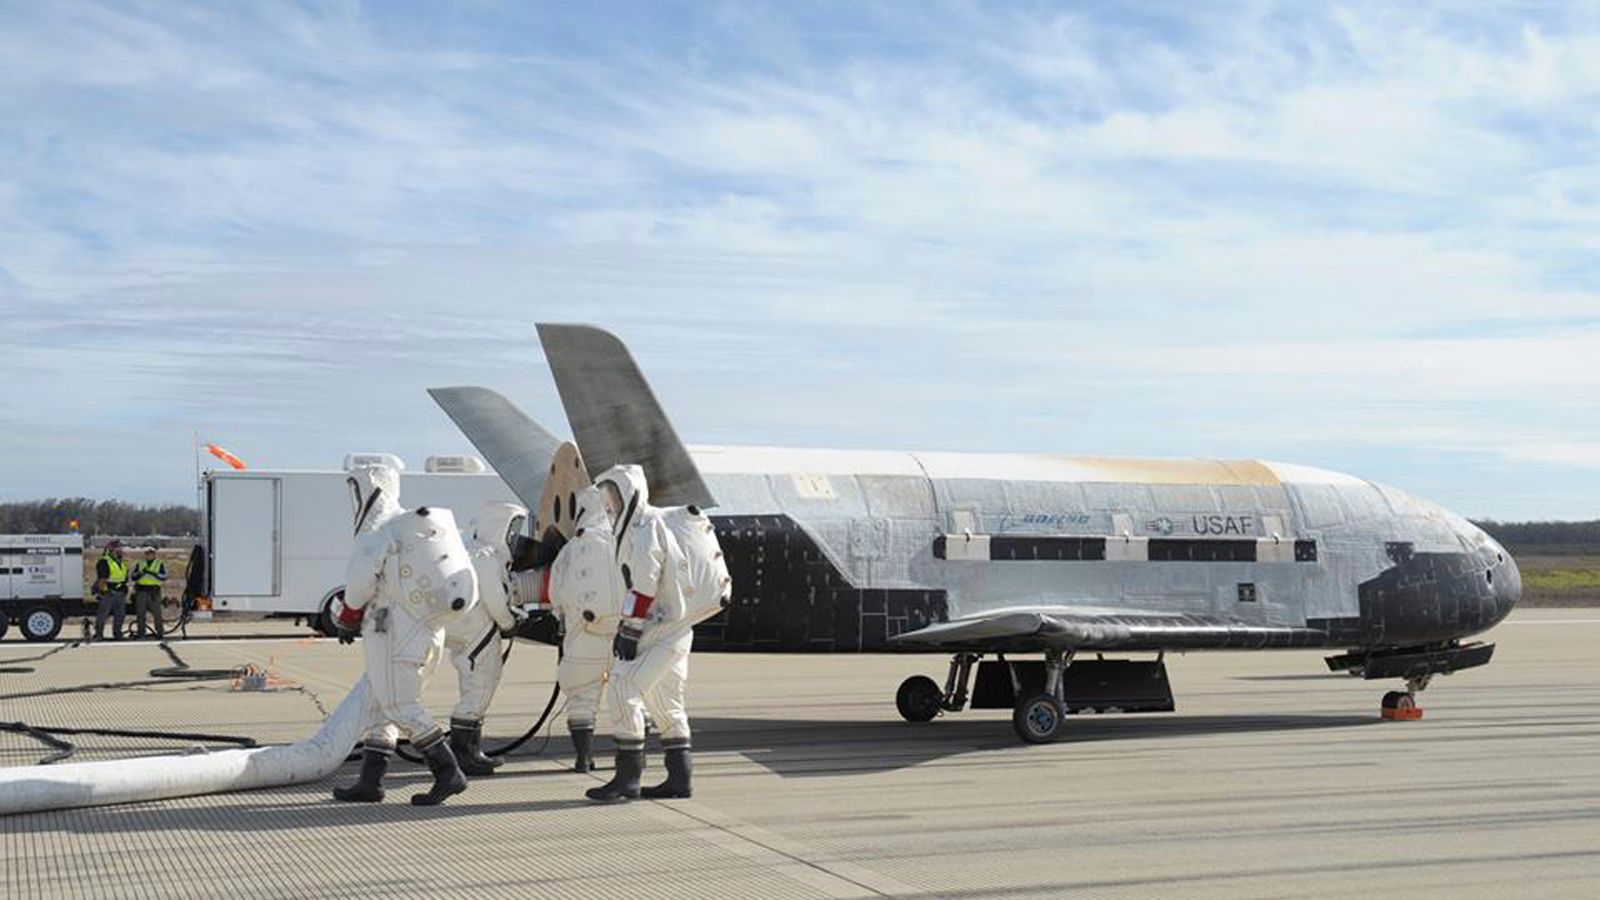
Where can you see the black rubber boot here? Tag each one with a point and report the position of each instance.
(583, 749)
(624, 785)
(447, 777)
(369, 786)
(679, 768)
(465, 735)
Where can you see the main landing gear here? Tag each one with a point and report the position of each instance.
(1038, 706)
(1039, 714)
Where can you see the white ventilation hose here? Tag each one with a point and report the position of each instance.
(37, 788)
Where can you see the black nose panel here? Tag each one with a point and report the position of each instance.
(1427, 597)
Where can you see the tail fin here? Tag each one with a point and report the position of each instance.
(614, 415)
(518, 448)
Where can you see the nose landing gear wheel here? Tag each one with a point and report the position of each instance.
(1038, 718)
(919, 699)
(1401, 705)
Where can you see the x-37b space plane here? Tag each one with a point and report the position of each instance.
(1028, 570)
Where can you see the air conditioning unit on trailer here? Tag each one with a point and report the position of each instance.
(459, 464)
(356, 460)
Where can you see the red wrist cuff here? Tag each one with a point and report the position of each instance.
(637, 606)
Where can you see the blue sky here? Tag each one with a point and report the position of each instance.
(1361, 236)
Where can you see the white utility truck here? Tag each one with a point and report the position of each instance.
(41, 582)
(278, 541)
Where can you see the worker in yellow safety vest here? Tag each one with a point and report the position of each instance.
(110, 591)
(148, 575)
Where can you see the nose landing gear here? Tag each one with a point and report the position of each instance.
(1402, 705)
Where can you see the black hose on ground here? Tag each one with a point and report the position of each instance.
(24, 670)
(405, 754)
(179, 671)
(555, 692)
(63, 749)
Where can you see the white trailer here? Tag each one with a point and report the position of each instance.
(278, 541)
(41, 582)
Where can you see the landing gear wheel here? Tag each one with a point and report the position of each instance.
(919, 699)
(1401, 705)
(1038, 718)
(42, 623)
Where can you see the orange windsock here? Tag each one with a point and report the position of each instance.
(225, 456)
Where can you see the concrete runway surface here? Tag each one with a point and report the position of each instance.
(1274, 779)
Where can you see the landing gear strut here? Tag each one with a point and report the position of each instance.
(1402, 705)
(920, 699)
(1039, 715)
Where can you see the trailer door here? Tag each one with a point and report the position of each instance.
(244, 537)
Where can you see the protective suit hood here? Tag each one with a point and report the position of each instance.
(634, 491)
(375, 494)
(592, 511)
(498, 522)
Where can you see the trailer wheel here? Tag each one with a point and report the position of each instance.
(322, 622)
(41, 623)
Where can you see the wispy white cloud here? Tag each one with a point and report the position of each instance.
(284, 223)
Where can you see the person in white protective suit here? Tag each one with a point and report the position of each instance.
(586, 598)
(475, 639)
(409, 574)
(673, 577)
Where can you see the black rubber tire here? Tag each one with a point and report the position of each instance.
(5, 622)
(41, 623)
(1038, 718)
(1391, 700)
(322, 622)
(919, 699)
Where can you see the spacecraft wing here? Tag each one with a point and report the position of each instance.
(1096, 628)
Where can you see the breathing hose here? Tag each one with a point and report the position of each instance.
(555, 692)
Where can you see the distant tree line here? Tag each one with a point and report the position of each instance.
(1544, 534)
(56, 516)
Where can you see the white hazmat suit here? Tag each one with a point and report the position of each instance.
(409, 574)
(666, 593)
(475, 639)
(586, 598)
